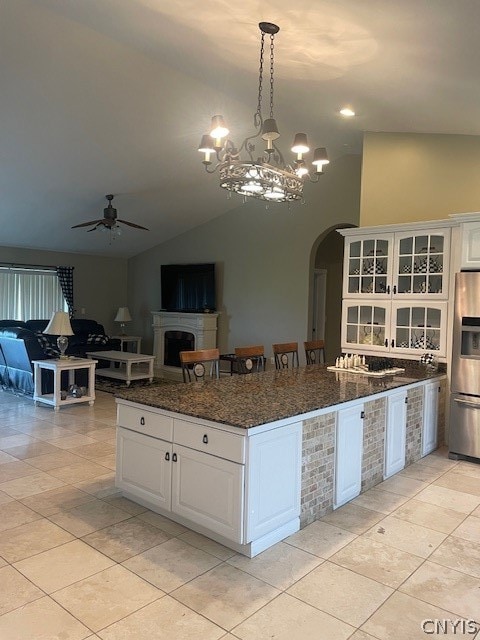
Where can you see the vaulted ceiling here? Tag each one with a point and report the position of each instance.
(112, 96)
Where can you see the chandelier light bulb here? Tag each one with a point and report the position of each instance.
(300, 145)
(206, 147)
(347, 112)
(320, 158)
(301, 169)
(270, 130)
(219, 129)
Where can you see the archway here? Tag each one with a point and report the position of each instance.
(325, 290)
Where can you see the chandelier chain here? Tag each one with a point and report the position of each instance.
(260, 81)
(271, 74)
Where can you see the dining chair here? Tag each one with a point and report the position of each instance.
(197, 363)
(286, 355)
(250, 359)
(315, 351)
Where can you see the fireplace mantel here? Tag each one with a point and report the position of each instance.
(202, 325)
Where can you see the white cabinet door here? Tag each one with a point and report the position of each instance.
(419, 327)
(430, 418)
(209, 491)
(421, 264)
(368, 266)
(144, 467)
(274, 480)
(395, 436)
(365, 326)
(348, 454)
(470, 254)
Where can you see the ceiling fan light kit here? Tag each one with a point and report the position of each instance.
(267, 177)
(109, 222)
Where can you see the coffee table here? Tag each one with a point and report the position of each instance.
(130, 366)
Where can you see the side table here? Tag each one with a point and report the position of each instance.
(57, 366)
(125, 340)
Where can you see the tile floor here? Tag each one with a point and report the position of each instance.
(79, 561)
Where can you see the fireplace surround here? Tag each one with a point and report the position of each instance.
(175, 325)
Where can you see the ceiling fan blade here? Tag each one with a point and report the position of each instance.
(132, 224)
(87, 224)
(94, 228)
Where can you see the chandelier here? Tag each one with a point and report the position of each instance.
(268, 176)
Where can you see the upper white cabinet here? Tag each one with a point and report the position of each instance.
(397, 265)
(395, 327)
(368, 266)
(469, 240)
(396, 288)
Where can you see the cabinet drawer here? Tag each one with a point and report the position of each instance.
(214, 441)
(146, 422)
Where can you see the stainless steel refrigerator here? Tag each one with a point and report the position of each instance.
(464, 439)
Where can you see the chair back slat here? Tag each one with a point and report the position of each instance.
(286, 355)
(193, 362)
(250, 359)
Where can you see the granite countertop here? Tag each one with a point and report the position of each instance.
(251, 400)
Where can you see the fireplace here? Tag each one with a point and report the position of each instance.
(176, 341)
(174, 332)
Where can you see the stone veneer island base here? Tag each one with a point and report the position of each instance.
(248, 460)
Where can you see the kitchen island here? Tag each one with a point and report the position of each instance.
(247, 460)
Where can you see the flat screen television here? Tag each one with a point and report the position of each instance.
(188, 287)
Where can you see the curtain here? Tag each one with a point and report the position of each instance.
(27, 294)
(65, 277)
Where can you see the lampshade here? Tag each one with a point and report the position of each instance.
(59, 325)
(123, 315)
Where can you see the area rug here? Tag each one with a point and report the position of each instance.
(109, 385)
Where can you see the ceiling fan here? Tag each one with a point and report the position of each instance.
(109, 221)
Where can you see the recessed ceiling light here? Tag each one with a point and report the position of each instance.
(347, 112)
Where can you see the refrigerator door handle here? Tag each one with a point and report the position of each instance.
(468, 403)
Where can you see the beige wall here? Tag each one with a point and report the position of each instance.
(264, 262)
(414, 177)
(100, 283)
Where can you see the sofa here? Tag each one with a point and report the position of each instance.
(22, 342)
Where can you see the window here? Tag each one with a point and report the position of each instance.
(27, 294)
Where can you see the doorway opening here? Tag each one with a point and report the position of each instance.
(326, 284)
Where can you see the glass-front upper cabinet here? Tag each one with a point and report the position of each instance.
(421, 264)
(365, 326)
(419, 328)
(368, 266)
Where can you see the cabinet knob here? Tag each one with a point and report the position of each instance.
(393, 343)
(167, 456)
(394, 289)
(142, 420)
(406, 400)
(386, 342)
(362, 415)
(205, 439)
(388, 289)
(174, 457)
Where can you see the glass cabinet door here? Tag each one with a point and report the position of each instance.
(364, 326)
(421, 264)
(368, 266)
(419, 329)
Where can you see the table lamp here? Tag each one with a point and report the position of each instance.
(123, 315)
(60, 326)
